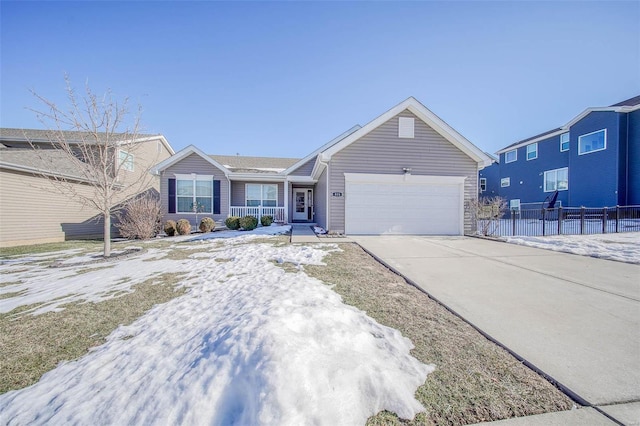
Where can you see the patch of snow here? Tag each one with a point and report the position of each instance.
(624, 247)
(319, 230)
(248, 344)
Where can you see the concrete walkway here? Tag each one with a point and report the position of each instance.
(575, 318)
(302, 233)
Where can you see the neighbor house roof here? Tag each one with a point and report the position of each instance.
(625, 106)
(38, 136)
(51, 162)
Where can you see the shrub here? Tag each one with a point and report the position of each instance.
(140, 218)
(207, 224)
(183, 227)
(266, 220)
(170, 228)
(248, 223)
(232, 222)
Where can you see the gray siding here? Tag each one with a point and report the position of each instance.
(27, 200)
(320, 195)
(238, 190)
(194, 164)
(305, 169)
(382, 152)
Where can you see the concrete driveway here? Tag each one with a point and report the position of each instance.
(575, 318)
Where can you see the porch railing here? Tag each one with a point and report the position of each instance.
(276, 212)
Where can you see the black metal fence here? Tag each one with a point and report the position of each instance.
(566, 221)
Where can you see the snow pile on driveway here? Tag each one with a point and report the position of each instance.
(624, 247)
(248, 344)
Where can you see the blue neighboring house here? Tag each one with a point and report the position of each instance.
(592, 161)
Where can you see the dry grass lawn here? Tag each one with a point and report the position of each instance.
(474, 381)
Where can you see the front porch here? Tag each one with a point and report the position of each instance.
(278, 213)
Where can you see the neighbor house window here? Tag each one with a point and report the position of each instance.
(406, 127)
(532, 151)
(504, 182)
(483, 184)
(126, 160)
(511, 156)
(556, 180)
(264, 195)
(564, 142)
(592, 142)
(194, 194)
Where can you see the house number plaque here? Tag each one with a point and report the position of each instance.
(337, 194)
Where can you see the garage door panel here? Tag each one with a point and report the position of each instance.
(403, 208)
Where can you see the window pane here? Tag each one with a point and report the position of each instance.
(204, 188)
(184, 187)
(204, 204)
(253, 203)
(592, 142)
(270, 192)
(550, 181)
(254, 192)
(269, 203)
(510, 156)
(184, 204)
(562, 180)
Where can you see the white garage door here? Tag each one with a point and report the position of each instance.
(403, 204)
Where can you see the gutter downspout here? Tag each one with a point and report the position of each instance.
(324, 162)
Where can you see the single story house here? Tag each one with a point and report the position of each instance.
(32, 211)
(405, 172)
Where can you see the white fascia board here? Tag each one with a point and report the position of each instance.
(182, 154)
(301, 179)
(403, 179)
(529, 142)
(322, 148)
(424, 114)
(162, 139)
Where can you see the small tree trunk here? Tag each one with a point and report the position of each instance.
(107, 234)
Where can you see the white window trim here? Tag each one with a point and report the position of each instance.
(261, 192)
(123, 163)
(527, 151)
(568, 140)
(595, 150)
(193, 177)
(406, 127)
(505, 180)
(515, 158)
(544, 180)
(483, 180)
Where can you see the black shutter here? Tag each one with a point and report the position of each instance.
(216, 197)
(172, 195)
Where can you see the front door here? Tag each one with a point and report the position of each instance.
(302, 204)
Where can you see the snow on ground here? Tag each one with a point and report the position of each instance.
(623, 247)
(247, 344)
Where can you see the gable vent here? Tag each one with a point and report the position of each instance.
(405, 127)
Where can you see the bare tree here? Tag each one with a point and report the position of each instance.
(487, 212)
(98, 137)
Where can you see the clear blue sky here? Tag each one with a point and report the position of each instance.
(283, 78)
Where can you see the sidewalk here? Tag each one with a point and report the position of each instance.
(302, 233)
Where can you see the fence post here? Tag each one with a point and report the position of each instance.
(581, 220)
(544, 222)
(605, 216)
(560, 220)
(513, 223)
(617, 217)
(259, 212)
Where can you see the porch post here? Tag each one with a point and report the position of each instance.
(287, 195)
